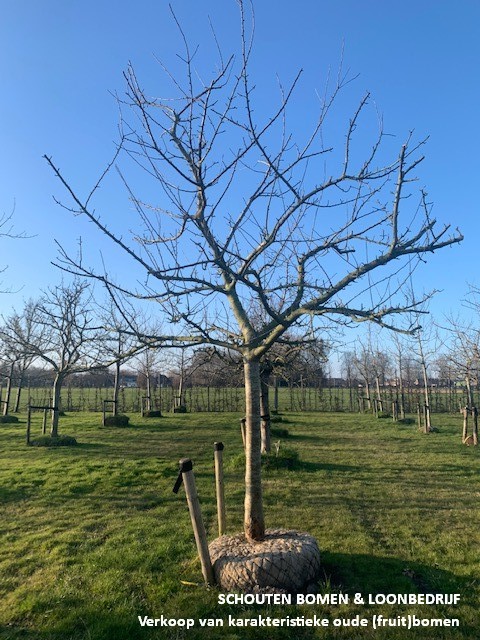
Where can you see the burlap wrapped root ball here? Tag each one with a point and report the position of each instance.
(285, 561)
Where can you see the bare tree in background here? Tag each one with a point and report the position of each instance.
(249, 214)
(464, 354)
(66, 336)
(362, 365)
(426, 346)
(121, 342)
(399, 356)
(15, 353)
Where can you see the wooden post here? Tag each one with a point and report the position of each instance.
(395, 410)
(426, 417)
(465, 424)
(243, 422)
(419, 417)
(44, 425)
(29, 418)
(186, 475)
(218, 448)
(428, 426)
(265, 427)
(475, 425)
(104, 410)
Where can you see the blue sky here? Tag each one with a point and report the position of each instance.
(61, 61)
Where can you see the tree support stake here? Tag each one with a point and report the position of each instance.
(186, 476)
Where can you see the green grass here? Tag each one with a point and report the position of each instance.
(92, 536)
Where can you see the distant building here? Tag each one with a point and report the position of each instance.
(128, 380)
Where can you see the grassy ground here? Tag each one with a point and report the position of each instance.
(92, 537)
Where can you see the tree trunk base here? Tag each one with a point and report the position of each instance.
(284, 562)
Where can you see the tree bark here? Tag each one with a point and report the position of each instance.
(254, 520)
(470, 401)
(402, 394)
(6, 404)
(57, 389)
(265, 409)
(275, 395)
(379, 395)
(116, 388)
(19, 392)
(427, 397)
(367, 390)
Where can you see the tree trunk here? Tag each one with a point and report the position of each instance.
(254, 521)
(19, 392)
(265, 410)
(6, 404)
(468, 383)
(427, 397)
(116, 388)
(57, 388)
(367, 391)
(402, 395)
(148, 404)
(379, 395)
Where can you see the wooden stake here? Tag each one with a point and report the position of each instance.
(475, 425)
(426, 417)
(186, 474)
(465, 424)
(243, 422)
(29, 419)
(265, 427)
(395, 410)
(219, 487)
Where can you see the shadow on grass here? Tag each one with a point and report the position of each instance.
(12, 495)
(82, 446)
(376, 574)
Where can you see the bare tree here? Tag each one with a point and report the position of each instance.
(18, 333)
(426, 345)
(464, 354)
(381, 368)
(16, 356)
(122, 341)
(399, 358)
(248, 215)
(66, 336)
(147, 361)
(362, 364)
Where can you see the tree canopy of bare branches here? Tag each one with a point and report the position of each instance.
(63, 333)
(248, 214)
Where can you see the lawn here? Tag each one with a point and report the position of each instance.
(92, 536)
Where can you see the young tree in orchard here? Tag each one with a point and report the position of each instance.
(19, 333)
(122, 340)
(248, 215)
(361, 361)
(463, 354)
(66, 336)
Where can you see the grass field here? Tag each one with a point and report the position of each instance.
(92, 536)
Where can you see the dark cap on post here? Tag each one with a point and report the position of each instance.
(185, 465)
